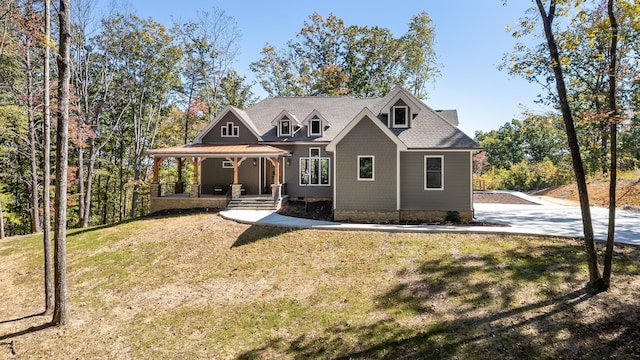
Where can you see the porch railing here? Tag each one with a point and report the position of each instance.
(172, 188)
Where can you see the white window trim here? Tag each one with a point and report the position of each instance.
(301, 159)
(315, 148)
(230, 126)
(407, 117)
(226, 164)
(373, 168)
(280, 133)
(424, 172)
(311, 133)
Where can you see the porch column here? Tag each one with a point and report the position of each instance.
(236, 189)
(155, 189)
(179, 185)
(195, 187)
(276, 187)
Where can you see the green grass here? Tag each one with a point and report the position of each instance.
(201, 287)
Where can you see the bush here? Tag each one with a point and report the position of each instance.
(525, 176)
(453, 217)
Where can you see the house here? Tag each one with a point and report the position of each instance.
(386, 159)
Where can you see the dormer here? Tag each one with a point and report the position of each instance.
(316, 124)
(286, 124)
(400, 110)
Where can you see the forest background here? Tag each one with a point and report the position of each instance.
(138, 84)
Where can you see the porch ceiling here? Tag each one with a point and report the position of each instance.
(218, 151)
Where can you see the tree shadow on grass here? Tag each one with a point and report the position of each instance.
(28, 330)
(258, 232)
(21, 318)
(482, 307)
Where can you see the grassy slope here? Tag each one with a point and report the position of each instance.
(199, 286)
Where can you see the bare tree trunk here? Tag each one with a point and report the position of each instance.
(60, 312)
(613, 130)
(595, 281)
(46, 166)
(33, 161)
(80, 149)
(93, 154)
(1, 222)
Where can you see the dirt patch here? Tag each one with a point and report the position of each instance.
(488, 197)
(627, 193)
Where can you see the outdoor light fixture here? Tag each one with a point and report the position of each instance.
(288, 162)
(255, 162)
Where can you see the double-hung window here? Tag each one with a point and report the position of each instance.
(434, 173)
(315, 127)
(285, 127)
(366, 168)
(314, 170)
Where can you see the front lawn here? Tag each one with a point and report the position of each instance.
(198, 286)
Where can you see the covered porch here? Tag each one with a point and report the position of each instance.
(220, 173)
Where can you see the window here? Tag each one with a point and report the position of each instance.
(285, 127)
(226, 164)
(366, 168)
(433, 173)
(315, 127)
(400, 116)
(229, 130)
(314, 152)
(314, 171)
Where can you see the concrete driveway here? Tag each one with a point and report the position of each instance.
(543, 218)
(549, 218)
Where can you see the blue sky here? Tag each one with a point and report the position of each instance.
(470, 42)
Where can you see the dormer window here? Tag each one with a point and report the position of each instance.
(229, 130)
(316, 124)
(400, 116)
(315, 127)
(284, 127)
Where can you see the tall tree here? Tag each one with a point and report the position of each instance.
(144, 57)
(547, 15)
(60, 310)
(46, 166)
(235, 92)
(210, 46)
(1, 221)
(30, 25)
(419, 46)
(329, 58)
(613, 132)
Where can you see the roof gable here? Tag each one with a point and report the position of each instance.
(285, 114)
(396, 94)
(239, 114)
(365, 113)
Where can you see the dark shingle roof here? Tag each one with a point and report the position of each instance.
(429, 129)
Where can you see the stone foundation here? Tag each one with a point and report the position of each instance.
(432, 215)
(172, 203)
(393, 216)
(366, 216)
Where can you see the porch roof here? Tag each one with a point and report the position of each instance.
(218, 151)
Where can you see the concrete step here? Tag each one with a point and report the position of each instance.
(253, 203)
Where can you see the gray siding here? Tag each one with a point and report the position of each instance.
(212, 173)
(292, 173)
(245, 136)
(381, 194)
(457, 182)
